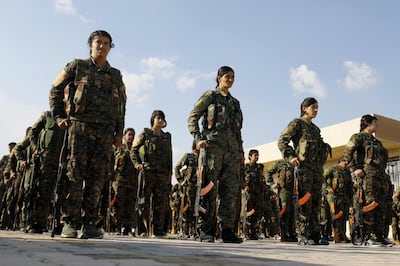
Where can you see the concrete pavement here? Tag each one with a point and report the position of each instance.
(17, 248)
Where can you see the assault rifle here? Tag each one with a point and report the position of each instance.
(334, 216)
(357, 227)
(62, 161)
(298, 203)
(33, 185)
(139, 201)
(182, 208)
(200, 192)
(244, 213)
(19, 202)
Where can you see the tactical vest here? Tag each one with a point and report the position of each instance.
(337, 180)
(253, 176)
(223, 113)
(311, 147)
(49, 137)
(374, 154)
(155, 151)
(190, 175)
(94, 94)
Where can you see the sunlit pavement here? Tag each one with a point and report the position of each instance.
(17, 248)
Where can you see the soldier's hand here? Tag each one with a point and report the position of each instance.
(295, 161)
(202, 144)
(64, 124)
(139, 167)
(23, 165)
(117, 141)
(12, 174)
(359, 173)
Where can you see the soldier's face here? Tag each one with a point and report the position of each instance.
(226, 81)
(311, 111)
(100, 46)
(254, 157)
(129, 136)
(158, 122)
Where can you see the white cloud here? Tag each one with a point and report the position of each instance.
(138, 86)
(188, 80)
(164, 68)
(67, 7)
(184, 83)
(359, 76)
(306, 81)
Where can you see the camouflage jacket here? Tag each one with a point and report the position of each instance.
(83, 91)
(308, 144)
(153, 151)
(190, 161)
(366, 152)
(222, 118)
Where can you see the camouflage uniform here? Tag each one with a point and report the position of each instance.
(254, 180)
(222, 125)
(309, 147)
(339, 180)
(175, 203)
(49, 136)
(154, 152)
(285, 193)
(3, 164)
(125, 186)
(387, 201)
(396, 216)
(6, 185)
(188, 179)
(12, 176)
(365, 152)
(270, 224)
(95, 104)
(24, 152)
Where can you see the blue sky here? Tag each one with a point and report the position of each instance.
(344, 53)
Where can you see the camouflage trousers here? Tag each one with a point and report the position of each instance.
(90, 147)
(41, 200)
(310, 181)
(125, 200)
(375, 220)
(223, 165)
(156, 192)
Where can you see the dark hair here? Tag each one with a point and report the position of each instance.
(12, 144)
(129, 129)
(160, 114)
(366, 120)
(306, 102)
(251, 152)
(222, 71)
(100, 33)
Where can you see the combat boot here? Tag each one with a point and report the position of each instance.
(230, 237)
(89, 230)
(69, 230)
(35, 228)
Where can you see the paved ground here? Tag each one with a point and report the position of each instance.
(18, 248)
